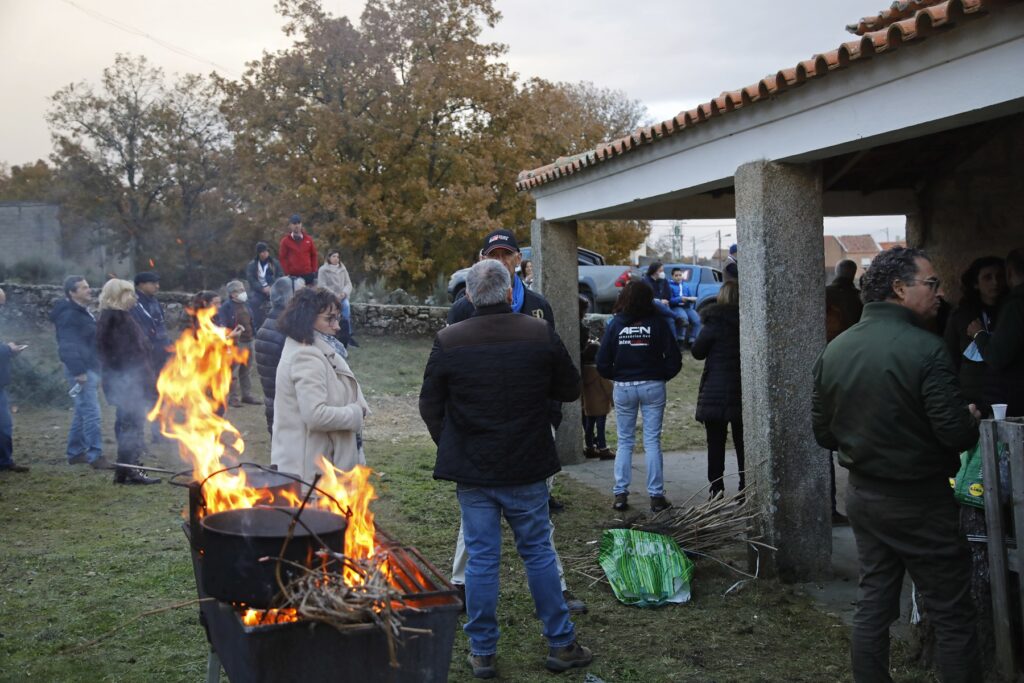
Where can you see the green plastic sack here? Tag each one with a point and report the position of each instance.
(645, 569)
(967, 486)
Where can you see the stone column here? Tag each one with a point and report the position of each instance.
(782, 331)
(556, 275)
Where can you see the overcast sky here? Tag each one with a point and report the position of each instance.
(669, 54)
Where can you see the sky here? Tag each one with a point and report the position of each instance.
(668, 54)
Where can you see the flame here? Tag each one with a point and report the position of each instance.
(264, 617)
(152, 263)
(193, 390)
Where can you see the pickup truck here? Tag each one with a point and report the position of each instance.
(704, 281)
(597, 281)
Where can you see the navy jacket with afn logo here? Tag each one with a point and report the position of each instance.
(634, 350)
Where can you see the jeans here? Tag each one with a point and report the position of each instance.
(716, 432)
(647, 398)
(675, 317)
(526, 510)
(593, 431)
(693, 320)
(86, 433)
(6, 432)
(241, 375)
(921, 536)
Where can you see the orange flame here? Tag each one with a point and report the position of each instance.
(264, 617)
(152, 263)
(193, 390)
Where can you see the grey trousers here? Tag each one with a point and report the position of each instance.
(922, 536)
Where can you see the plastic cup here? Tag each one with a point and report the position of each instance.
(999, 411)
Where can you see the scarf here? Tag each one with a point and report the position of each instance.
(333, 342)
(518, 294)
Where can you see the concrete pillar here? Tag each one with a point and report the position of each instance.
(782, 331)
(556, 275)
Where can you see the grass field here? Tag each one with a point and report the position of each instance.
(81, 557)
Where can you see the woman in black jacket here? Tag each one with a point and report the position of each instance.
(640, 353)
(270, 342)
(983, 286)
(127, 374)
(719, 399)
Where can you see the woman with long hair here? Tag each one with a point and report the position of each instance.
(983, 285)
(719, 399)
(333, 276)
(124, 355)
(639, 352)
(318, 404)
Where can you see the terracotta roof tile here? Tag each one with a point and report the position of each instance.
(905, 21)
(858, 244)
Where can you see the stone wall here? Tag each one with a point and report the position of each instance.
(32, 304)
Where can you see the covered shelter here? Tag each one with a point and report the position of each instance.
(921, 115)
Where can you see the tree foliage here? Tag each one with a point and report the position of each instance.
(398, 140)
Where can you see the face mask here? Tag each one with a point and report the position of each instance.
(661, 276)
(242, 298)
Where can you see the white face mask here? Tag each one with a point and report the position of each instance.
(661, 275)
(242, 298)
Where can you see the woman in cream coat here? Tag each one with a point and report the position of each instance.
(318, 407)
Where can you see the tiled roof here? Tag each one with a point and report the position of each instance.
(889, 245)
(858, 244)
(907, 21)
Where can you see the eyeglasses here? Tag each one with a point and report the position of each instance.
(931, 283)
(329, 318)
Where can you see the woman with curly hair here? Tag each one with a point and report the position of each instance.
(128, 375)
(318, 404)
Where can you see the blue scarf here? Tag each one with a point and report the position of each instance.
(518, 294)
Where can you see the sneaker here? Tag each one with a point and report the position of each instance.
(621, 502)
(101, 463)
(659, 504)
(252, 401)
(572, 656)
(126, 475)
(839, 519)
(605, 454)
(14, 468)
(575, 605)
(482, 665)
(80, 459)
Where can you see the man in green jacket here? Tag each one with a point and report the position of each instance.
(886, 397)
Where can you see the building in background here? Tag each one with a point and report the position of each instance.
(858, 248)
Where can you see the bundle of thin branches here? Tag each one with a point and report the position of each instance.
(323, 595)
(700, 529)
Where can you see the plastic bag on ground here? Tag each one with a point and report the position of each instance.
(645, 569)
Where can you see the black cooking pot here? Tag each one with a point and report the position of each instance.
(235, 540)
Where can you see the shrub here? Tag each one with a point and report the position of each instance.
(35, 271)
(367, 292)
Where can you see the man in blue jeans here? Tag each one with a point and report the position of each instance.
(76, 345)
(484, 400)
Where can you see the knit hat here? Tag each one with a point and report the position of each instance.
(260, 248)
(146, 276)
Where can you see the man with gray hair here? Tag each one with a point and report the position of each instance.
(270, 342)
(235, 313)
(484, 400)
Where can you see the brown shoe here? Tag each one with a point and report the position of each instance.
(572, 656)
(605, 454)
(659, 504)
(589, 452)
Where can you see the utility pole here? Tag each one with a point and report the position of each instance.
(677, 240)
(694, 238)
(719, 249)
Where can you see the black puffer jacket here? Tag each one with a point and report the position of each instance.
(268, 346)
(718, 345)
(485, 398)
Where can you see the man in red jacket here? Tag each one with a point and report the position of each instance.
(297, 253)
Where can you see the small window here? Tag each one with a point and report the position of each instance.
(865, 262)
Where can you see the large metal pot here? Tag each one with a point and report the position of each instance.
(235, 540)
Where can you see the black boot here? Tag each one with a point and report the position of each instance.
(127, 475)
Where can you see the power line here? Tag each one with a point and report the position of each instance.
(127, 28)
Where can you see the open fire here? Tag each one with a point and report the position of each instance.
(193, 390)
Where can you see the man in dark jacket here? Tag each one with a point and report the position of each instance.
(843, 308)
(501, 246)
(76, 345)
(270, 342)
(887, 398)
(149, 315)
(484, 401)
(8, 351)
(236, 314)
(1003, 349)
(260, 274)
